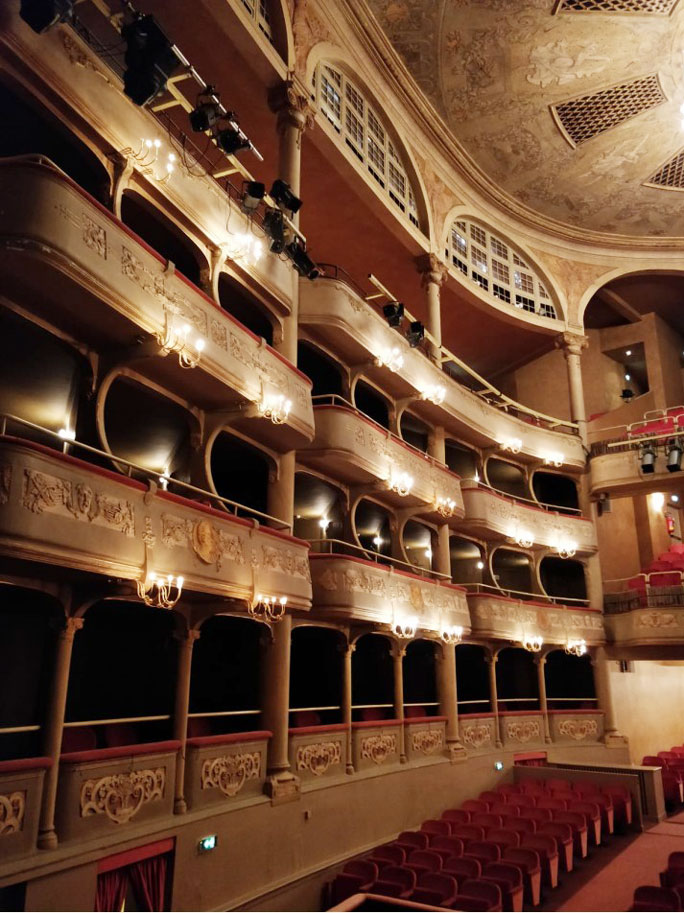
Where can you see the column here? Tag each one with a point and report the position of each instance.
(281, 783)
(441, 557)
(493, 699)
(540, 662)
(348, 650)
(445, 667)
(53, 731)
(398, 653)
(572, 345)
(186, 641)
(434, 274)
(604, 694)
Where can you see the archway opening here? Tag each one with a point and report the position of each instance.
(555, 490)
(563, 578)
(462, 460)
(569, 682)
(315, 676)
(420, 683)
(321, 369)
(372, 526)
(319, 510)
(512, 572)
(506, 477)
(240, 471)
(418, 541)
(517, 684)
(467, 560)
(372, 679)
(472, 680)
(245, 307)
(414, 432)
(371, 403)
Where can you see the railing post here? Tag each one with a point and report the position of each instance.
(281, 784)
(348, 650)
(398, 653)
(445, 661)
(540, 662)
(186, 642)
(493, 697)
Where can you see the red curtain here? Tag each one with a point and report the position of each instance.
(111, 891)
(149, 883)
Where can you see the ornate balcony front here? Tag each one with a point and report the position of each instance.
(618, 472)
(356, 450)
(354, 588)
(21, 785)
(57, 509)
(648, 626)
(88, 274)
(493, 516)
(341, 319)
(319, 752)
(224, 769)
(376, 743)
(506, 618)
(576, 727)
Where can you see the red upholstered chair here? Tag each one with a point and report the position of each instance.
(547, 849)
(199, 726)
(580, 831)
(463, 867)
(520, 800)
(420, 861)
(509, 879)
(305, 718)
(503, 809)
(462, 902)
(343, 886)
(412, 840)
(116, 735)
(484, 851)
(592, 813)
(605, 803)
(489, 796)
(665, 578)
(523, 827)
(506, 789)
(556, 783)
(368, 714)
(562, 833)
(673, 787)
(538, 815)
(486, 820)
(364, 869)
(678, 750)
(457, 815)
(622, 803)
(396, 881)
(475, 805)
(78, 738)
(530, 786)
(437, 826)
(528, 862)
(651, 760)
(674, 873)
(445, 886)
(468, 832)
(503, 838)
(413, 712)
(388, 854)
(487, 891)
(650, 897)
(447, 847)
(552, 803)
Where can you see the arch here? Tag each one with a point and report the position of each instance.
(239, 470)
(472, 680)
(620, 272)
(420, 679)
(316, 664)
(418, 541)
(317, 500)
(468, 560)
(554, 489)
(372, 526)
(571, 677)
(506, 476)
(465, 461)
(238, 300)
(563, 578)
(373, 404)
(321, 368)
(414, 431)
(517, 683)
(367, 137)
(372, 678)
(512, 570)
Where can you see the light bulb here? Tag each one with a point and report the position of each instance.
(200, 344)
(480, 565)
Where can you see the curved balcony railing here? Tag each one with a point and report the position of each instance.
(339, 547)
(526, 502)
(521, 595)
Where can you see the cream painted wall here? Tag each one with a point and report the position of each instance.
(648, 703)
(617, 539)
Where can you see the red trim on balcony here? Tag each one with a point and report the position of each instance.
(477, 716)
(410, 720)
(530, 756)
(128, 857)
(521, 712)
(452, 586)
(574, 712)
(312, 730)
(375, 724)
(230, 738)
(122, 751)
(22, 764)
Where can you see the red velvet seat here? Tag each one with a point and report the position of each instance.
(503, 809)
(468, 832)
(622, 803)
(343, 886)
(487, 891)
(592, 813)
(199, 727)
(506, 789)
(538, 815)
(457, 815)
(562, 833)
(503, 838)
(650, 897)
(528, 861)
(555, 783)
(437, 826)
(447, 847)
(364, 869)
(369, 714)
(388, 854)
(475, 805)
(486, 820)
(413, 840)
(78, 738)
(547, 850)
(552, 803)
(509, 879)
(489, 796)
(396, 881)
(651, 760)
(116, 735)
(465, 903)
(484, 851)
(462, 868)
(414, 712)
(420, 861)
(537, 787)
(521, 826)
(580, 831)
(520, 800)
(605, 803)
(445, 886)
(664, 577)
(674, 873)
(301, 718)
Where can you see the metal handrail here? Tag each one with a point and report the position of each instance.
(378, 558)
(6, 417)
(11, 730)
(223, 713)
(124, 719)
(537, 597)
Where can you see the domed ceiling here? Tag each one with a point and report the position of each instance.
(571, 107)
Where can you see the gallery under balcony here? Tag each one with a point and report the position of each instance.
(336, 315)
(82, 270)
(352, 448)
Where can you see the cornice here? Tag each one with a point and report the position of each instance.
(369, 35)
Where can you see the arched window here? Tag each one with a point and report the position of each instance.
(361, 129)
(258, 11)
(497, 268)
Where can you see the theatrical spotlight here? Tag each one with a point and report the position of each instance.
(674, 456)
(42, 14)
(301, 261)
(648, 458)
(232, 140)
(274, 226)
(207, 111)
(150, 59)
(252, 194)
(394, 313)
(284, 197)
(415, 333)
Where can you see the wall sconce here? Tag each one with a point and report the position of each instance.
(511, 444)
(390, 358)
(406, 628)
(146, 154)
(401, 482)
(274, 406)
(553, 458)
(521, 537)
(324, 523)
(576, 647)
(160, 592)
(244, 246)
(532, 644)
(164, 478)
(435, 393)
(566, 548)
(445, 506)
(269, 609)
(67, 434)
(169, 168)
(175, 337)
(452, 634)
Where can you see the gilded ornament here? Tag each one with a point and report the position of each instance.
(377, 748)
(319, 756)
(578, 729)
(121, 796)
(12, 809)
(230, 772)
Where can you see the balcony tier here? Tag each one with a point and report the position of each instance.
(57, 509)
(505, 618)
(361, 590)
(355, 450)
(618, 472)
(339, 318)
(644, 627)
(494, 517)
(84, 271)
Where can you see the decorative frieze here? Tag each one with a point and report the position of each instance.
(210, 544)
(508, 617)
(523, 730)
(427, 741)
(121, 796)
(230, 772)
(45, 493)
(12, 810)
(285, 560)
(476, 735)
(578, 730)
(318, 757)
(5, 482)
(377, 748)
(94, 236)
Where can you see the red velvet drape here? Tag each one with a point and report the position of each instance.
(111, 891)
(148, 878)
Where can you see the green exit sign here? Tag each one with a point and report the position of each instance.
(207, 843)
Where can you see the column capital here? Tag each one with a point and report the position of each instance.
(397, 652)
(571, 343)
(432, 269)
(71, 626)
(290, 101)
(188, 637)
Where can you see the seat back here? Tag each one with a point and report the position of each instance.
(508, 788)
(463, 867)
(475, 805)
(486, 819)
(520, 800)
(503, 872)
(524, 856)
(400, 875)
(457, 815)
(503, 837)
(651, 760)
(451, 845)
(656, 898)
(538, 815)
(362, 868)
(574, 819)
(489, 796)
(502, 809)
(444, 885)
(413, 712)
(557, 783)
(343, 886)
(436, 826)
(484, 850)
(199, 726)
(589, 809)
(467, 832)
(369, 714)
(542, 844)
(557, 829)
(521, 826)
(78, 738)
(116, 735)
(305, 718)
(482, 890)
(533, 786)
(552, 803)
(390, 853)
(426, 859)
(413, 840)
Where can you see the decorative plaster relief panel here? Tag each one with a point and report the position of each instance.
(647, 626)
(478, 735)
(229, 773)
(576, 728)
(521, 730)
(510, 619)
(12, 810)
(121, 796)
(319, 757)
(378, 748)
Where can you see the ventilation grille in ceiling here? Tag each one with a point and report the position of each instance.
(582, 118)
(645, 7)
(671, 174)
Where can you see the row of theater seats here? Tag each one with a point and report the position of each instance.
(493, 852)
(670, 422)
(669, 895)
(665, 570)
(672, 764)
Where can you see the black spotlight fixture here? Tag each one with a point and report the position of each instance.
(42, 14)
(274, 226)
(207, 111)
(394, 313)
(301, 261)
(232, 140)
(648, 458)
(627, 395)
(284, 197)
(150, 59)
(415, 334)
(674, 456)
(252, 194)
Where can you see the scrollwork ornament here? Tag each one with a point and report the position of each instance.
(12, 809)
(229, 773)
(318, 757)
(427, 741)
(477, 734)
(377, 748)
(578, 729)
(121, 796)
(523, 730)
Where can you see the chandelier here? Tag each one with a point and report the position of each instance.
(521, 537)
(245, 247)
(274, 406)
(175, 337)
(553, 458)
(566, 548)
(435, 393)
(452, 634)
(390, 358)
(445, 506)
(532, 644)
(160, 592)
(406, 628)
(401, 482)
(576, 647)
(269, 609)
(511, 444)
